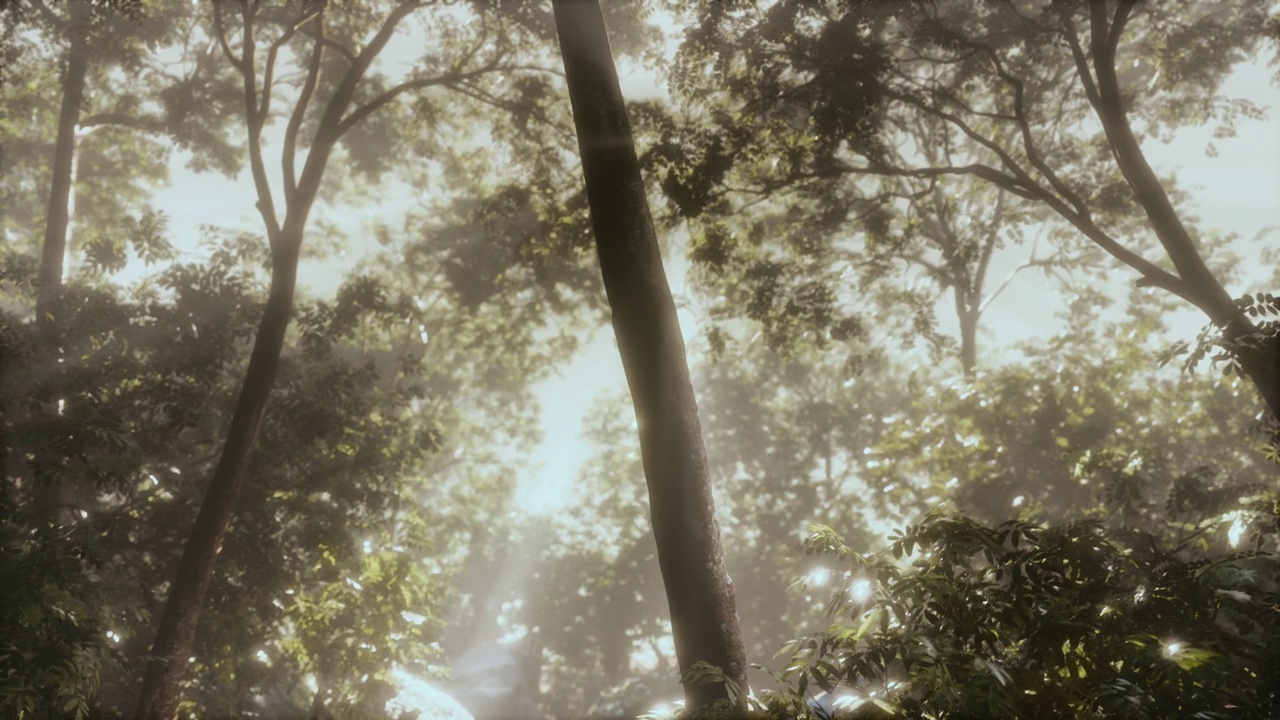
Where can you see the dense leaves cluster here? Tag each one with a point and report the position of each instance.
(957, 619)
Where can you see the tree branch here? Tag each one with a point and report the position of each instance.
(1082, 62)
(290, 149)
(329, 130)
(236, 62)
(363, 111)
(453, 76)
(268, 75)
(255, 121)
(144, 124)
(1196, 283)
(1024, 129)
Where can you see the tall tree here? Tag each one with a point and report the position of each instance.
(108, 87)
(699, 592)
(346, 104)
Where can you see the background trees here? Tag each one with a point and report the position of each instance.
(877, 339)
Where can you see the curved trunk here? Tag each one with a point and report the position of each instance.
(176, 633)
(1261, 364)
(699, 592)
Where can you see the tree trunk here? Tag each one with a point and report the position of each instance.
(176, 633)
(58, 215)
(175, 636)
(52, 495)
(967, 312)
(699, 592)
(1262, 365)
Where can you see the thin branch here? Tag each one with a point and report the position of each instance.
(236, 62)
(1123, 8)
(256, 120)
(268, 75)
(336, 46)
(290, 150)
(1024, 128)
(144, 124)
(363, 111)
(1031, 262)
(453, 76)
(329, 130)
(1082, 63)
(1032, 189)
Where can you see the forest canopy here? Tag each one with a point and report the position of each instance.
(793, 359)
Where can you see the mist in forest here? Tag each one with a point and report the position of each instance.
(792, 359)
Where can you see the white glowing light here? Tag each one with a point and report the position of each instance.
(354, 584)
(1017, 502)
(952, 483)
(1236, 531)
(413, 617)
(422, 333)
(367, 546)
(262, 656)
(847, 703)
(1173, 648)
(819, 577)
(861, 590)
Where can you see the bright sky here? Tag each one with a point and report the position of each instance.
(1236, 191)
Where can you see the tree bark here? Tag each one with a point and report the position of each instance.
(968, 316)
(1201, 286)
(699, 592)
(53, 497)
(176, 633)
(58, 215)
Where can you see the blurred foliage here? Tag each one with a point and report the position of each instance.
(358, 508)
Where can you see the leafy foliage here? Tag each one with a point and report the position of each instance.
(958, 619)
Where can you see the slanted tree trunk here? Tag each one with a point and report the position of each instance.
(176, 634)
(1199, 285)
(699, 592)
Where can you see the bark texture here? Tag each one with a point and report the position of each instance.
(699, 592)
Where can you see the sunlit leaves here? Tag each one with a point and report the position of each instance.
(1041, 622)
